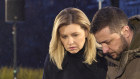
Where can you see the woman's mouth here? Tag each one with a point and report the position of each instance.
(72, 48)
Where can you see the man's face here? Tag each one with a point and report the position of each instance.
(113, 44)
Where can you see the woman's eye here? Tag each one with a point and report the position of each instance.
(75, 35)
(64, 37)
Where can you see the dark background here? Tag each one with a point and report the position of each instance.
(34, 33)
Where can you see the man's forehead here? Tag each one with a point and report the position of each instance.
(103, 34)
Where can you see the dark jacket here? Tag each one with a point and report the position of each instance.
(129, 65)
(74, 68)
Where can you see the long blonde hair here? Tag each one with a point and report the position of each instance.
(56, 49)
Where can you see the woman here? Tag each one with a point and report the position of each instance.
(72, 51)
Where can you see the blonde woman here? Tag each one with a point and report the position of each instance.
(72, 50)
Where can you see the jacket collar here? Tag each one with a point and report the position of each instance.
(134, 22)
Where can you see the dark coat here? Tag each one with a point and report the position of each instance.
(74, 68)
(129, 65)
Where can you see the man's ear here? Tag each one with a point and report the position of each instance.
(125, 31)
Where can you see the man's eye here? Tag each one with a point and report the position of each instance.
(108, 42)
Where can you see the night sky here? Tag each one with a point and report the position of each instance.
(34, 33)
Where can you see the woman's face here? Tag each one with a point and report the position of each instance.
(72, 37)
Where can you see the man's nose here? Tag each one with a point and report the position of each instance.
(105, 48)
(70, 40)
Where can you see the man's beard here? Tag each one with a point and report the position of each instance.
(122, 48)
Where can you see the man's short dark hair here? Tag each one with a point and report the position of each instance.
(111, 17)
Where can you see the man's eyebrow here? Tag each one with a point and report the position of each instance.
(102, 42)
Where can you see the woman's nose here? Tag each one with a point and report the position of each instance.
(70, 40)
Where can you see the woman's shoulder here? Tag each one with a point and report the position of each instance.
(49, 65)
(48, 62)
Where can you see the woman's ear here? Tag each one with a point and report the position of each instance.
(86, 33)
(125, 31)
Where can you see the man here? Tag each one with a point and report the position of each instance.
(120, 40)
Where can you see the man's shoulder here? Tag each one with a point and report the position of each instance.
(135, 17)
(134, 22)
